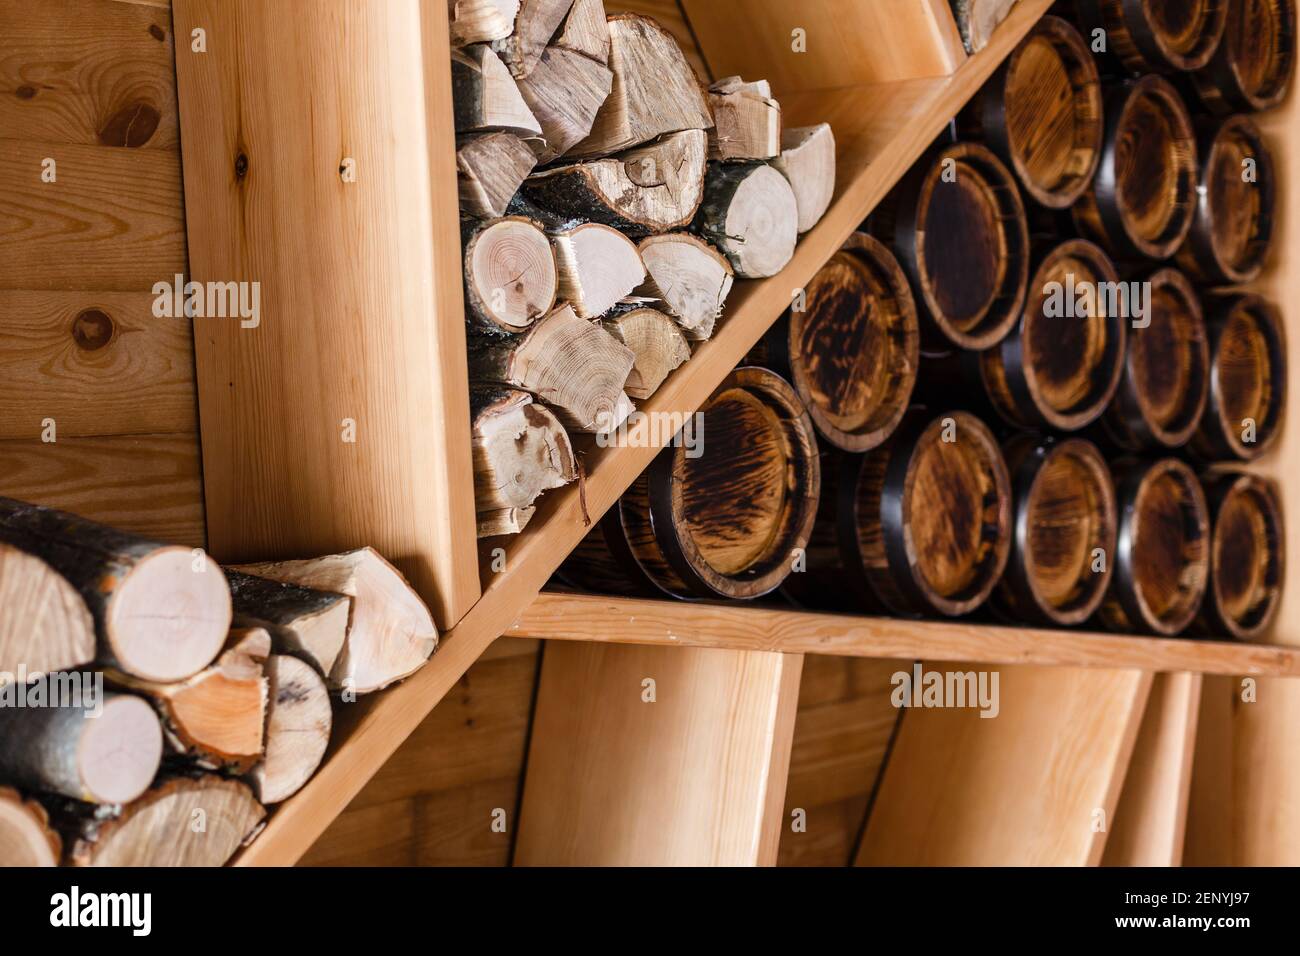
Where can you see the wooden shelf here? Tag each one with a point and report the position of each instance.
(614, 620)
(881, 129)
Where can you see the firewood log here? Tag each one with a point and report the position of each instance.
(977, 19)
(651, 189)
(25, 835)
(303, 621)
(535, 24)
(585, 30)
(657, 343)
(182, 821)
(490, 168)
(67, 750)
(520, 451)
(807, 161)
(216, 717)
(655, 90)
(574, 366)
(44, 623)
(504, 521)
(510, 277)
(161, 612)
(486, 96)
(747, 121)
(690, 278)
(481, 21)
(750, 213)
(391, 633)
(598, 266)
(298, 723)
(565, 90)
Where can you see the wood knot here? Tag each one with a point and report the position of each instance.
(92, 330)
(241, 165)
(157, 32)
(25, 92)
(131, 126)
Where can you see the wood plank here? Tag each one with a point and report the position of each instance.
(1208, 835)
(580, 617)
(694, 777)
(98, 363)
(147, 484)
(379, 835)
(1023, 789)
(360, 284)
(1151, 818)
(458, 827)
(88, 72)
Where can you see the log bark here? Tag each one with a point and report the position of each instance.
(489, 170)
(689, 277)
(598, 266)
(25, 835)
(657, 343)
(391, 633)
(486, 96)
(510, 277)
(310, 623)
(807, 161)
(160, 612)
(481, 21)
(565, 90)
(535, 24)
(655, 91)
(520, 451)
(977, 19)
(44, 623)
(585, 30)
(298, 723)
(750, 213)
(66, 750)
(747, 121)
(575, 367)
(654, 188)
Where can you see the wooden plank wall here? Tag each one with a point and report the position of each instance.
(91, 216)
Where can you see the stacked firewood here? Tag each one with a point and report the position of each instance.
(153, 703)
(608, 203)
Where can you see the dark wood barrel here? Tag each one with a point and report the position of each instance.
(1041, 113)
(1062, 363)
(1141, 202)
(1163, 36)
(1251, 69)
(1164, 387)
(1247, 556)
(1248, 372)
(957, 225)
(1233, 226)
(1162, 556)
(851, 352)
(1064, 532)
(731, 522)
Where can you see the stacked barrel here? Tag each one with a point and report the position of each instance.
(1029, 387)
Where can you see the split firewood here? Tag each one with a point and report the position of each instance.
(586, 31)
(749, 212)
(109, 758)
(574, 366)
(161, 612)
(505, 521)
(655, 90)
(510, 276)
(298, 723)
(807, 161)
(182, 821)
(977, 19)
(565, 90)
(216, 717)
(657, 343)
(535, 24)
(747, 121)
(480, 21)
(44, 623)
(650, 189)
(303, 621)
(520, 451)
(690, 278)
(25, 835)
(486, 96)
(489, 170)
(598, 266)
(391, 633)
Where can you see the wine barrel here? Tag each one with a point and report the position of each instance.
(731, 521)
(1248, 379)
(1141, 202)
(1232, 229)
(1163, 36)
(1041, 113)
(1164, 387)
(1162, 558)
(850, 347)
(1251, 69)
(1247, 547)
(1064, 532)
(957, 224)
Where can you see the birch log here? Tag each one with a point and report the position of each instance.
(565, 90)
(747, 121)
(690, 277)
(44, 623)
(303, 621)
(657, 343)
(485, 95)
(536, 23)
(480, 21)
(750, 213)
(25, 835)
(585, 30)
(510, 276)
(520, 451)
(598, 266)
(807, 161)
(977, 19)
(490, 168)
(298, 723)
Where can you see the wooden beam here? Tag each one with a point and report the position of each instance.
(315, 167)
